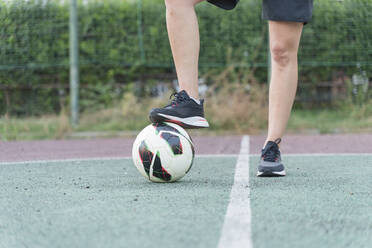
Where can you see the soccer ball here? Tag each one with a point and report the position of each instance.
(163, 152)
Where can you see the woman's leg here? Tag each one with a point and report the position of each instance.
(284, 43)
(183, 32)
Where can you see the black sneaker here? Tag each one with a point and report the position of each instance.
(271, 162)
(182, 110)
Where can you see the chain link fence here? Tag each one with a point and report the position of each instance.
(124, 43)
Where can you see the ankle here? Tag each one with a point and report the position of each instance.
(276, 140)
(194, 94)
(195, 100)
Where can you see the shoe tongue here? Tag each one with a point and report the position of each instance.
(269, 152)
(270, 145)
(183, 94)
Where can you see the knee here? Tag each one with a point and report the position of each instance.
(170, 4)
(173, 5)
(282, 53)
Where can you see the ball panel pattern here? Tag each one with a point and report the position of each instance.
(192, 159)
(164, 127)
(146, 157)
(158, 170)
(173, 141)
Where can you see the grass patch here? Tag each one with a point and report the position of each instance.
(114, 121)
(34, 128)
(235, 104)
(331, 121)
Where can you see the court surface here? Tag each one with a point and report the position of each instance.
(87, 193)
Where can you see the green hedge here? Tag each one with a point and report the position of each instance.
(123, 41)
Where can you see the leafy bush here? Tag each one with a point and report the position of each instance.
(125, 42)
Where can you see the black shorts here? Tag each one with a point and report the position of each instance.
(277, 10)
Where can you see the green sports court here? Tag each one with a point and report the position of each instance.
(86, 201)
(275, 97)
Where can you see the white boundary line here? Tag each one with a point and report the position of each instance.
(103, 159)
(236, 231)
(216, 155)
(198, 156)
(64, 160)
(318, 154)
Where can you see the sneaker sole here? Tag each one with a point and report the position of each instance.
(190, 122)
(271, 173)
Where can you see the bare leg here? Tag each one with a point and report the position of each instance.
(183, 32)
(284, 42)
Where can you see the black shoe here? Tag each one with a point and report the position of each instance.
(271, 162)
(182, 110)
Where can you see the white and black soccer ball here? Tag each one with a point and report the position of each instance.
(163, 152)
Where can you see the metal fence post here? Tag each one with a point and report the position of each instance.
(74, 64)
(140, 31)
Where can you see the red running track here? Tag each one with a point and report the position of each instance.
(16, 151)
